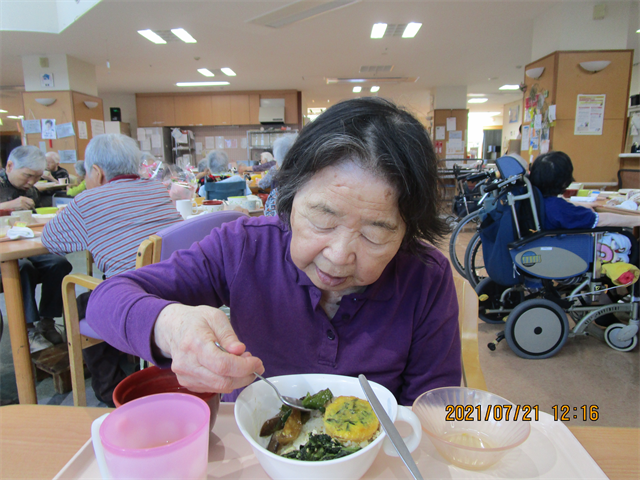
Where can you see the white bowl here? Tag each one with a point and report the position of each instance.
(258, 402)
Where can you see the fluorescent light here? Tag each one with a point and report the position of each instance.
(475, 94)
(200, 84)
(378, 30)
(477, 100)
(16, 117)
(638, 31)
(357, 89)
(3, 111)
(183, 35)
(374, 89)
(228, 72)
(411, 30)
(509, 87)
(206, 72)
(151, 36)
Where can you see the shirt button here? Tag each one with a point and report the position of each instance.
(345, 316)
(331, 335)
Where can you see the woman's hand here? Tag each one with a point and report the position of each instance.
(20, 203)
(186, 334)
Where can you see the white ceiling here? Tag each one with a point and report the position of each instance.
(460, 43)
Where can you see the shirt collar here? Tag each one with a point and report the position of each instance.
(125, 177)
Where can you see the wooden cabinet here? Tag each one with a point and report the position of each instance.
(221, 106)
(155, 111)
(254, 109)
(193, 110)
(240, 110)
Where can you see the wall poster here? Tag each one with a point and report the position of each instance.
(589, 115)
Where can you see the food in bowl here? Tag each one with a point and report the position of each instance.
(258, 403)
(475, 440)
(336, 427)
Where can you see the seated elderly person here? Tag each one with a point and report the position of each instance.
(54, 171)
(24, 168)
(354, 287)
(280, 148)
(111, 219)
(218, 164)
(80, 170)
(266, 162)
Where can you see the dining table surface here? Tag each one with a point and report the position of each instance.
(10, 252)
(37, 441)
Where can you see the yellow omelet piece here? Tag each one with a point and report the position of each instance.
(350, 419)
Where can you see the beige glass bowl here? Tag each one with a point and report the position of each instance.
(470, 443)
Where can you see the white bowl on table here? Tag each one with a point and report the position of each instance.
(258, 403)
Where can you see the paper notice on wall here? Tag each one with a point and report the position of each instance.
(156, 141)
(534, 141)
(141, 134)
(455, 148)
(552, 113)
(243, 143)
(82, 130)
(48, 129)
(234, 143)
(220, 143)
(64, 130)
(198, 148)
(537, 121)
(31, 126)
(440, 133)
(527, 115)
(451, 123)
(210, 143)
(145, 145)
(68, 156)
(43, 147)
(544, 146)
(589, 115)
(525, 137)
(455, 135)
(97, 127)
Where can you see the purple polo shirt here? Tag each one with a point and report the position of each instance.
(401, 332)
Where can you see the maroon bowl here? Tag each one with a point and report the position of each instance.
(153, 380)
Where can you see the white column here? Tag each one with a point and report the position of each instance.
(69, 73)
(454, 97)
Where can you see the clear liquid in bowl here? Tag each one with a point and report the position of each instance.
(466, 439)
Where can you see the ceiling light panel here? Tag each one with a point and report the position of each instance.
(201, 84)
(183, 35)
(376, 68)
(374, 89)
(357, 89)
(152, 36)
(298, 11)
(228, 72)
(378, 30)
(509, 87)
(477, 100)
(411, 30)
(206, 72)
(395, 29)
(331, 81)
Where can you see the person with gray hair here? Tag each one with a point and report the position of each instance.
(110, 219)
(82, 173)
(280, 148)
(54, 171)
(218, 163)
(24, 168)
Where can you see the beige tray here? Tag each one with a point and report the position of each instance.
(551, 451)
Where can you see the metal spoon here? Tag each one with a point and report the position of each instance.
(289, 401)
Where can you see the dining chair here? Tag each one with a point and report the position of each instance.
(224, 190)
(472, 376)
(156, 248)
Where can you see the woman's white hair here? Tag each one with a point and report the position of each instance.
(80, 170)
(218, 161)
(282, 145)
(114, 153)
(28, 157)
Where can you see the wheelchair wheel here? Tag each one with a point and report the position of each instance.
(611, 338)
(474, 261)
(537, 328)
(470, 222)
(494, 291)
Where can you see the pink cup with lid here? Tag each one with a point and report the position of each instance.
(164, 436)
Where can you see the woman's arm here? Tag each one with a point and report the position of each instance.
(618, 220)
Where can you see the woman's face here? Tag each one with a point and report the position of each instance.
(346, 227)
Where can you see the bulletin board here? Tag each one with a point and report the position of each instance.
(440, 117)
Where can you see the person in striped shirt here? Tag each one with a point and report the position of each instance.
(110, 219)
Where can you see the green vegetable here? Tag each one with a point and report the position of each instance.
(321, 447)
(318, 400)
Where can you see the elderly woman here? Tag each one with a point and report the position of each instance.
(218, 164)
(353, 285)
(80, 170)
(280, 148)
(266, 162)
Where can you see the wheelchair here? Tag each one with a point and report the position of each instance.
(538, 280)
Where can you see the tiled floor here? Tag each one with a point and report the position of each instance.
(584, 372)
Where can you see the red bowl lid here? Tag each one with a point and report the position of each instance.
(212, 202)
